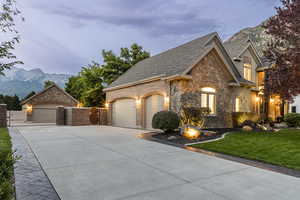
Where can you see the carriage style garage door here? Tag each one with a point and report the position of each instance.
(154, 104)
(124, 113)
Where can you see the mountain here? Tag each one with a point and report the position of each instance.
(257, 34)
(21, 82)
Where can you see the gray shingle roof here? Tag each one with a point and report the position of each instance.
(235, 47)
(171, 62)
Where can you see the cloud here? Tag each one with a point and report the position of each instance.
(156, 17)
(64, 35)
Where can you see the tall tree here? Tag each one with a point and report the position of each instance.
(48, 83)
(284, 51)
(88, 85)
(29, 95)
(9, 34)
(91, 78)
(74, 87)
(12, 102)
(114, 66)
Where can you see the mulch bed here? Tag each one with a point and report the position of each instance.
(176, 138)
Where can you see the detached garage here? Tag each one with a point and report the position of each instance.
(41, 108)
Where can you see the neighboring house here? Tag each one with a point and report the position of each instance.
(41, 107)
(295, 106)
(202, 73)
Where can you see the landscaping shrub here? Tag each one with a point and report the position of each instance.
(239, 117)
(166, 121)
(194, 116)
(7, 160)
(279, 119)
(248, 123)
(292, 119)
(94, 116)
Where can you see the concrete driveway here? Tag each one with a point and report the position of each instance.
(95, 163)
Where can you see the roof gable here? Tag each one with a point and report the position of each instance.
(171, 62)
(36, 97)
(216, 44)
(236, 48)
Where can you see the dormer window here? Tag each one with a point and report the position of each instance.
(247, 68)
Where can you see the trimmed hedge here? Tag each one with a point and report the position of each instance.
(292, 119)
(165, 120)
(239, 117)
(7, 160)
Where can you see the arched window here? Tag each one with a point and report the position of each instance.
(208, 99)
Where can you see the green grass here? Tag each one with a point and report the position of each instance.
(280, 148)
(7, 160)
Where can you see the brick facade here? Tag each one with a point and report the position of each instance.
(3, 115)
(80, 116)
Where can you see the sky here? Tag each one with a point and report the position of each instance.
(61, 36)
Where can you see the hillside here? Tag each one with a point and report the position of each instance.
(21, 82)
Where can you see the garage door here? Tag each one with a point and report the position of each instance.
(154, 104)
(44, 115)
(124, 113)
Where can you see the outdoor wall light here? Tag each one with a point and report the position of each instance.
(138, 101)
(29, 109)
(106, 105)
(257, 99)
(167, 99)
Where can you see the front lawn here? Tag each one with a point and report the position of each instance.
(279, 148)
(6, 166)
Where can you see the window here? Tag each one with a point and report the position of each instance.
(208, 99)
(237, 104)
(294, 109)
(247, 68)
(247, 72)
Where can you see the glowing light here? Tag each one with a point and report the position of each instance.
(272, 100)
(191, 133)
(79, 105)
(138, 101)
(29, 109)
(208, 89)
(257, 99)
(106, 105)
(167, 99)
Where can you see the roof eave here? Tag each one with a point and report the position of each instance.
(151, 79)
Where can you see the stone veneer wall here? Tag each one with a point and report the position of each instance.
(3, 115)
(209, 72)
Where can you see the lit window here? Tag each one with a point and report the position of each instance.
(247, 72)
(237, 104)
(208, 99)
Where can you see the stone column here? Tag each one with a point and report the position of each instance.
(3, 116)
(60, 115)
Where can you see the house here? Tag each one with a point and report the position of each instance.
(41, 107)
(204, 72)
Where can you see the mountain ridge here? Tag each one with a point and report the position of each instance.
(19, 81)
